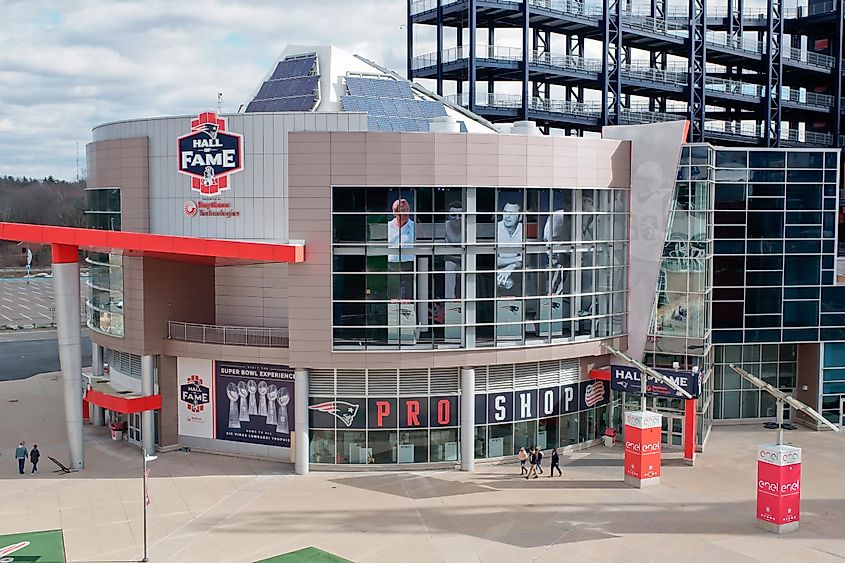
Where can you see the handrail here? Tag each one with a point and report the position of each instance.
(676, 75)
(228, 335)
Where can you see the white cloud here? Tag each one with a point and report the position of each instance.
(68, 65)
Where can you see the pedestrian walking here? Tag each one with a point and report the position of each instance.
(555, 464)
(532, 459)
(523, 457)
(34, 456)
(21, 455)
(539, 461)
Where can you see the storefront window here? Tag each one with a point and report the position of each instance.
(547, 433)
(382, 445)
(500, 442)
(352, 447)
(524, 435)
(445, 446)
(413, 446)
(569, 429)
(322, 446)
(480, 442)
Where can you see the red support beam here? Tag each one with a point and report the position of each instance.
(689, 430)
(169, 247)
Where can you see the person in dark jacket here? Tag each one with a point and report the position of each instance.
(34, 456)
(539, 460)
(555, 464)
(532, 459)
(21, 455)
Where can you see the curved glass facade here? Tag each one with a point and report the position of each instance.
(426, 268)
(105, 304)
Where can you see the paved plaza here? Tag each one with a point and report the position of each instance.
(217, 508)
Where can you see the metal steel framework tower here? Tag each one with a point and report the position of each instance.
(769, 76)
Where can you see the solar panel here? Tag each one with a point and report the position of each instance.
(294, 68)
(379, 88)
(287, 88)
(298, 103)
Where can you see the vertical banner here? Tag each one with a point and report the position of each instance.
(196, 395)
(254, 403)
(778, 488)
(642, 448)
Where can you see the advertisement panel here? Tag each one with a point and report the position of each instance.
(196, 397)
(779, 485)
(254, 403)
(628, 378)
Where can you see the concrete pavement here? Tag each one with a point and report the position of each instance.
(217, 508)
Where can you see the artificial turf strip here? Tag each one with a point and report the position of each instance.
(307, 555)
(47, 546)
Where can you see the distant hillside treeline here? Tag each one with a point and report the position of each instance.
(44, 202)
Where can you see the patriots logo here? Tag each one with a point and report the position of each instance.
(10, 549)
(513, 309)
(209, 128)
(343, 411)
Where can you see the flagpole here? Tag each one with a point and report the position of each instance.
(144, 452)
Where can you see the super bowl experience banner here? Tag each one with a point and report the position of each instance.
(254, 403)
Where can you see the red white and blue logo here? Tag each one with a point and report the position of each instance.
(343, 411)
(209, 154)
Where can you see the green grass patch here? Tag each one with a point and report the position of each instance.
(307, 555)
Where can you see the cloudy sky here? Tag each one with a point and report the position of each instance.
(68, 65)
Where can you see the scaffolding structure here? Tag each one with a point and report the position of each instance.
(743, 76)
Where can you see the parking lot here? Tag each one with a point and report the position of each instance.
(28, 302)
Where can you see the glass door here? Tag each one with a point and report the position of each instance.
(672, 431)
(134, 428)
(842, 412)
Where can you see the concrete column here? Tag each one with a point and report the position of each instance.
(300, 409)
(147, 420)
(98, 413)
(68, 321)
(468, 419)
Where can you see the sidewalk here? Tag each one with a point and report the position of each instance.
(208, 508)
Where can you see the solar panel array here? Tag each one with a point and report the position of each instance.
(291, 87)
(390, 104)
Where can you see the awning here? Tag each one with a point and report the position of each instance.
(102, 394)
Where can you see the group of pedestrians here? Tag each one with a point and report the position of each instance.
(534, 459)
(21, 454)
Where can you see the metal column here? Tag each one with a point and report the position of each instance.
(439, 47)
(774, 71)
(468, 419)
(148, 436)
(837, 74)
(409, 28)
(526, 58)
(68, 321)
(98, 414)
(697, 80)
(472, 65)
(611, 86)
(300, 410)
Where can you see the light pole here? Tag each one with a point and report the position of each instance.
(147, 458)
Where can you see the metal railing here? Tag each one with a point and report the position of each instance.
(230, 335)
(675, 74)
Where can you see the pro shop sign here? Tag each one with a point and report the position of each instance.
(209, 154)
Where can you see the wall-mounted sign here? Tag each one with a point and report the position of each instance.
(209, 154)
(442, 410)
(196, 397)
(254, 403)
(627, 379)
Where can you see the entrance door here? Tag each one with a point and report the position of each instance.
(672, 431)
(842, 412)
(134, 428)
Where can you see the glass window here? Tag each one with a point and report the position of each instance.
(480, 442)
(321, 444)
(413, 446)
(352, 448)
(500, 442)
(445, 447)
(547, 433)
(382, 446)
(524, 435)
(801, 270)
(568, 429)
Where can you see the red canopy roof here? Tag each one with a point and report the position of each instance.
(185, 249)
